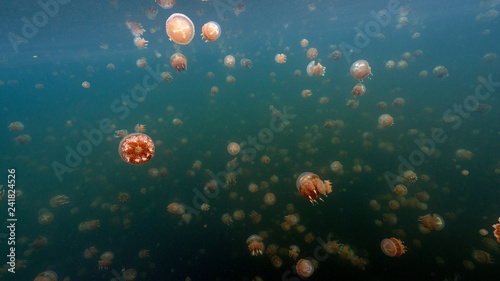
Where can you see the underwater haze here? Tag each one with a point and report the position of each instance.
(139, 143)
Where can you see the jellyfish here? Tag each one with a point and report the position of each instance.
(304, 268)
(386, 120)
(210, 31)
(360, 69)
(137, 148)
(496, 232)
(233, 148)
(229, 61)
(311, 186)
(178, 61)
(280, 58)
(314, 69)
(166, 4)
(392, 247)
(180, 28)
(434, 222)
(255, 245)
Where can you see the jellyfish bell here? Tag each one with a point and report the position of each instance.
(360, 69)
(166, 4)
(136, 148)
(304, 268)
(440, 71)
(392, 247)
(178, 61)
(180, 29)
(210, 31)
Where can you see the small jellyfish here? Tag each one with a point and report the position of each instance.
(210, 31)
(246, 63)
(434, 222)
(304, 268)
(386, 120)
(86, 84)
(178, 61)
(229, 61)
(314, 69)
(440, 71)
(392, 247)
(255, 245)
(166, 4)
(141, 63)
(360, 69)
(16, 126)
(336, 55)
(359, 90)
(180, 28)
(233, 148)
(304, 43)
(312, 53)
(311, 186)
(136, 148)
(280, 58)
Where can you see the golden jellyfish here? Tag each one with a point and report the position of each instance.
(178, 61)
(406, 56)
(227, 219)
(16, 126)
(140, 42)
(214, 90)
(294, 251)
(392, 247)
(239, 8)
(176, 209)
(177, 122)
(87, 226)
(312, 53)
(141, 63)
(304, 268)
(306, 93)
(292, 219)
(238, 215)
(134, 27)
(47, 276)
(210, 31)
(418, 53)
(255, 217)
(400, 190)
(304, 43)
(398, 102)
(59, 201)
(23, 139)
(410, 176)
(166, 76)
(255, 245)
(386, 120)
(423, 74)
(166, 4)
(311, 186)
(390, 64)
(336, 55)
(360, 69)
(246, 63)
(123, 197)
(336, 167)
(129, 274)
(180, 29)
(106, 260)
(151, 13)
(280, 58)
(359, 90)
(314, 69)
(481, 256)
(230, 79)
(297, 73)
(269, 199)
(432, 222)
(86, 84)
(144, 253)
(233, 148)
(136, 148)
(110, 67)
(45, 217)
(402, 65)
(496, 230)
(374, 205)
(440, 71)
(229, 61)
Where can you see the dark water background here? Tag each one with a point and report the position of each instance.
(67, 50)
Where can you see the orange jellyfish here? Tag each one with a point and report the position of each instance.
(180, 29)
(434, 222)
(136, 148)
(151, 13)
(255, 245)
(86, 84)
(233, 148)
(311, 186)
(178, 61)
(135, 28)
(392, 247)
(336, 55)
(386, 120)
(141, 63)
(360, 69)
(315, 69)
(210, 31)
(496, 232)
(140, 42)
(280, 58)
(47, 276)
(166, 4)
(312, 53)
(304, 43)
(129, 274)
(106, 260)
(359, 90)
(304, 268)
